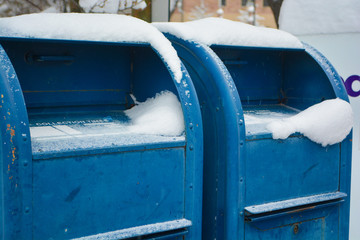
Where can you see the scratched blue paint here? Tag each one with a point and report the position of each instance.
(63, 193)
(140, 196)
(318, 224)
(15, 156)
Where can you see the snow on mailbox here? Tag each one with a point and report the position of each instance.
(276, 120)
(101, 134)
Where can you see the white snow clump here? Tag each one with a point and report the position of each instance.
(161, 115)
(92, 27)
(219, 31)
(326, 123)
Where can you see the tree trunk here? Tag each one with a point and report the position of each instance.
(143, 14)
(74, 6)
(275, 6)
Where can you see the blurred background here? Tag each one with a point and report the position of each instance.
(256, 12)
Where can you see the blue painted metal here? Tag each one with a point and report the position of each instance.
(288, 170)
(318, 223)
(256, 130)
(15, 154)
(224, 135)
(104, 189)
(345, 146)
(268, 171)
(293, 203)
(297, 209)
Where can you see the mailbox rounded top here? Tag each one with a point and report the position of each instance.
(91, 27)
(218, 31)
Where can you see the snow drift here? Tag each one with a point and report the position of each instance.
(326, 123)
(160, 115)
(219, 31)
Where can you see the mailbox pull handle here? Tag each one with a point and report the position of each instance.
(285, 213)
(49, 58)
(276, 209)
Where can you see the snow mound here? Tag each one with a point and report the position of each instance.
(219, 31)
(92, 27)
(161, 115)
(326, 123)
(320, 16)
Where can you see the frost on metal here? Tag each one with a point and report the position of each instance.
(280, 205)
(257, 119)
(92, 27)
(161, 115)
(320, 17)
(326, 123)
(157, 120)
(141, 230)
(218, 31)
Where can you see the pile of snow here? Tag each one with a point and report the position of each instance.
(161, 115)
(320, 17)
(92, 27)
(219, 31)
(326, 123)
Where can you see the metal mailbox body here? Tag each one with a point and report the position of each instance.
(107, 189)
(256, 187)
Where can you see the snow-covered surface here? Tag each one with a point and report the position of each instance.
(280, 205)
(257, 118)
(92, 27)
(320, 17)
(159, 115)
(326, 123)
(91, 134)
(157, 120)
(219, 31)
(141, 230)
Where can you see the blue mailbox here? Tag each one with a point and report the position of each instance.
(256, 187)
(70, 166)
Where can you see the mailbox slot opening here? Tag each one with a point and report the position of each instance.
(275, 84)
(266, 76)
(75, 91)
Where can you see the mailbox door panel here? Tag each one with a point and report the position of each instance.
(291, 168)
(86, 195)
(319, 224)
